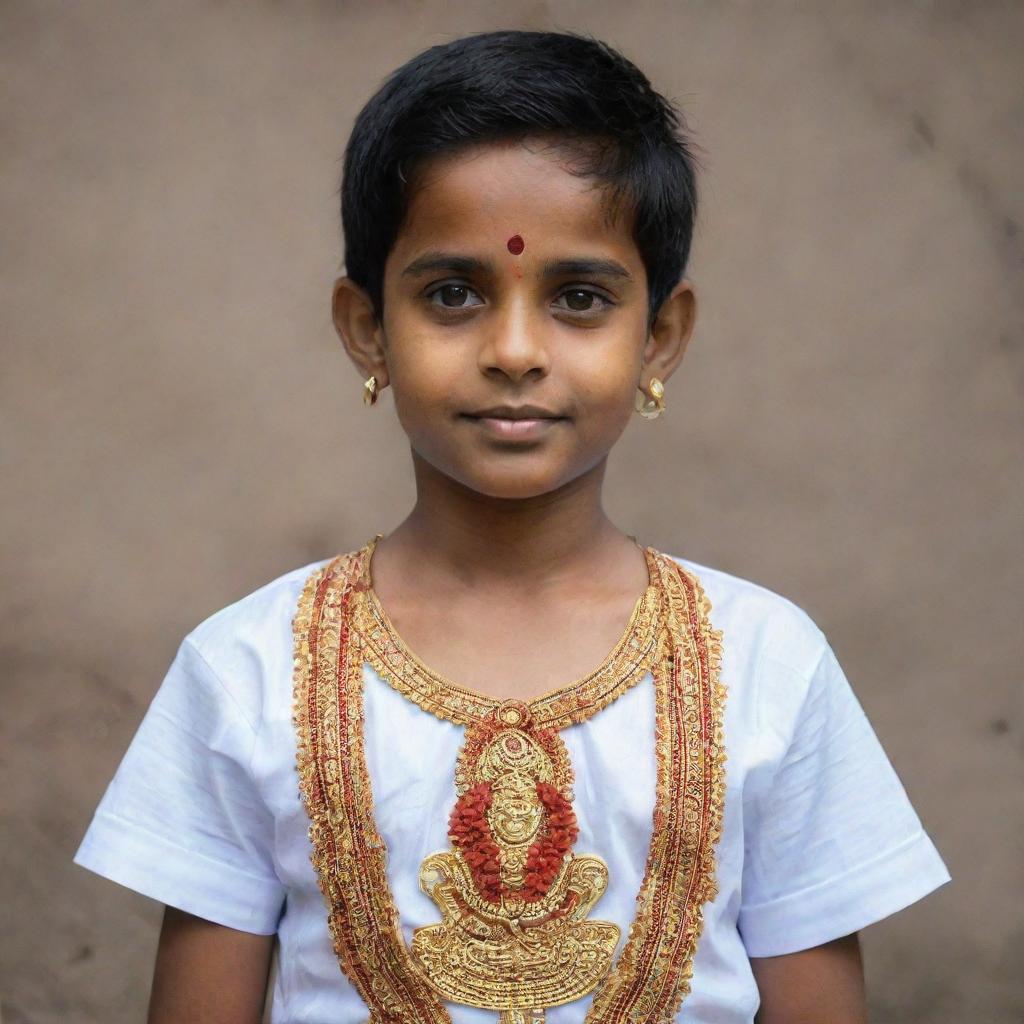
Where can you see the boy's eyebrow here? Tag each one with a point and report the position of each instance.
(585, 267)
(434, 261)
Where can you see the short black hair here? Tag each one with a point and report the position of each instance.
(499, 86)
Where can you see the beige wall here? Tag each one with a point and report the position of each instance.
(179, 425)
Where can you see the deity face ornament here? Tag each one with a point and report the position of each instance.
(516, 812)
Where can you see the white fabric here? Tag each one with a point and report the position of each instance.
(819, 837)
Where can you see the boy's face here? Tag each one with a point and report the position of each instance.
(515, 325)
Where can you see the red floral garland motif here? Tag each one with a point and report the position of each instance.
(470, 833)
(545, 858)
(468, 830)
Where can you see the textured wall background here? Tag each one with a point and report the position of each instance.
(179, 424)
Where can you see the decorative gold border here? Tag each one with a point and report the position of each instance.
(654, 970)
(628, 663)
(348, 853)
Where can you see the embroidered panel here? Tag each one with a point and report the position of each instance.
(513, 895)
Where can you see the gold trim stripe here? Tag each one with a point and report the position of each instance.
(348, 852)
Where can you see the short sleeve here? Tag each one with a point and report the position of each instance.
(832, 843)
(182, 821)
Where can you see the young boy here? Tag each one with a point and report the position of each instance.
(695, 829)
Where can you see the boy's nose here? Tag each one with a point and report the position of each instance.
(514, 344)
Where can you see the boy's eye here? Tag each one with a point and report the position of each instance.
(455, 296)
(582, 300)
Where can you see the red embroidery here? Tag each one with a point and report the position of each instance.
(545, 858)
(469, 831)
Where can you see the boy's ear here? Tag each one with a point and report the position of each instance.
(670, 334)
(359, 329)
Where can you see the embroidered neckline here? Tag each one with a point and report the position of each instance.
(652, 973)
(399, 666)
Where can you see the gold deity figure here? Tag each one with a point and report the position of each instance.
(514, 898)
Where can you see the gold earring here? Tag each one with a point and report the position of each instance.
(651, 407)
(370, 391)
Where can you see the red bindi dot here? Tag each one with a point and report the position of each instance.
(516, 245)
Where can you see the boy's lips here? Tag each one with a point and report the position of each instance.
(515, 422)
(515, 429)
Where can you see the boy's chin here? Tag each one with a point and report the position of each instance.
(512, 483)
(518, 491)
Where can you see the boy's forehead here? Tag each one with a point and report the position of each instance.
(491, 193)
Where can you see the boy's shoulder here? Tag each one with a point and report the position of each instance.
(758, 619)
(239, 659)
(260, 618)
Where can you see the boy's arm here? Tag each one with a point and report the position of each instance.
(206, 972)
(825, 983)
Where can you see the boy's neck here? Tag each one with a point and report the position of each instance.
(475, 540)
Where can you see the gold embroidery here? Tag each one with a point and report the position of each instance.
(339, 625)
(653, 973)
(348, 852)
(627, 664)
(513, 897)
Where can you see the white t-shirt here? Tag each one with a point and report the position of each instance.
(819, 838)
